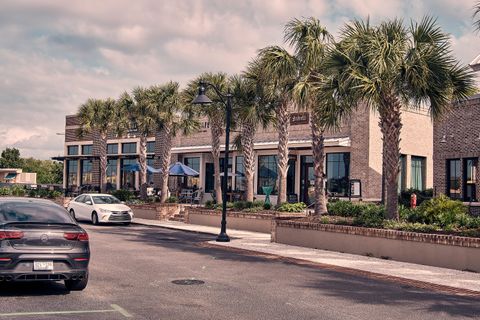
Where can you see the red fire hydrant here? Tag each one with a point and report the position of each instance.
(413, 201)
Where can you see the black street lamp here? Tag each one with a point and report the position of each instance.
(201, 98)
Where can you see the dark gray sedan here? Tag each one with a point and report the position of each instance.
(40, 241)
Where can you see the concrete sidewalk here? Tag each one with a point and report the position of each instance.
(440, 279)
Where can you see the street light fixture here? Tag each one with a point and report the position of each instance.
(226, 99)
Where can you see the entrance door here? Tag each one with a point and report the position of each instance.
(307, 180)
(209, 181)
(470, 179)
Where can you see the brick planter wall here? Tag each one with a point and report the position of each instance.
(156, 211)
(462, 253)
(255, 222)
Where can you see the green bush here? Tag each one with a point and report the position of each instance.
(345, 208)
(371, 216)
(254, 209)
(171, 199)
(4, 191)
(241, 205)
(266, 206)
(229, 205)
(54, 194)
(123, 195)
(18, 191)
(408, 226)
(258, 203)
(442, 211)
(209, 204)
(292, 207)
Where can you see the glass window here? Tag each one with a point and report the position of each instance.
(194, 163)
(240, 182)
(87, 149)
(130, 147)
(128, 178)
(112, 148)
(37, 212)
(470, 179)
(112, 174)
(453, 178)
(267, 173)
(105, 200)
(338, 172)
(402, 177)
(417, 180)
(151, 147)
(87, 175)
(150, 162)
(72, 169)
(72, 150)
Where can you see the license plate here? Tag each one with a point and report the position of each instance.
(42, 265)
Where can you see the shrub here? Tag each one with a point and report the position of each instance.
(408, 226)
(18, 191)
(292, 207)
(241, 205)
(4, 191)
(345, 208)
(441, 211)
(253, 209)
(123, 195)
(258, 203)
(371, 216)
(266, 206)
(209, 204)
(229, 205)
(171, 199)
(54, 194)
(424, 195)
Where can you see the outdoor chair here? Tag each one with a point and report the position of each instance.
(197, 196)
(186, 196)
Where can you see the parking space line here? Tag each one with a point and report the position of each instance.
(115, 308)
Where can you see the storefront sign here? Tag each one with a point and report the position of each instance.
(299, 118)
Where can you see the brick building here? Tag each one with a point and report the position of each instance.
(353, 152)
(456, 149)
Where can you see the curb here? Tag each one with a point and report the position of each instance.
(173, 228)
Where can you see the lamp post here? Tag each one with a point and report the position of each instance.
(226, 99)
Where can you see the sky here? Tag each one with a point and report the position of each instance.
(54, 54)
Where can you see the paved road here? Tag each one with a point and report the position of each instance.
(132, 269)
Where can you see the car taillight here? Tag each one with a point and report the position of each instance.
(76, 236)
(9, 235)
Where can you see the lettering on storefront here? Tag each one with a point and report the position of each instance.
(299, 118)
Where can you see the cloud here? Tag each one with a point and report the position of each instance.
(54, 55)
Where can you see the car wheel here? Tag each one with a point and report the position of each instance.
(95, 219)
(72, 213)
(76, 285)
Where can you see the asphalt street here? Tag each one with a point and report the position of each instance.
(132, 269)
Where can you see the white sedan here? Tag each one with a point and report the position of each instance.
(99, 208)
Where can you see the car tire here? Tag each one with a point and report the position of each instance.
(95, 221)
(72, 213)
(76, 285)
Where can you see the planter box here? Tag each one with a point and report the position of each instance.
(446, 251)
(156, 211)
(255, 222)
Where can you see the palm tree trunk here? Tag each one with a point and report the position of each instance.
(283, 122)
(248, 135)
(142, 160)
(318, 149)
(217, 131)
(165, 157)
(103, 162)
(391, 127)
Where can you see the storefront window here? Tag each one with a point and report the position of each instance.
(267, 173)
(128, 178)
(150, 162)
(194, 163)
(87, 149)
(112, 174)
(112, 148)
(87, 172)
(470, 179)
(130, 147)
(151, 147)
(418, 173)
(240, 182)
(454, 178)
(72, 150)
(338, 165)
(72, 169)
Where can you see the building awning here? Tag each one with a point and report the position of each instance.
(10, 176)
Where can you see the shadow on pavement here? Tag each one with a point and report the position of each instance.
(20, 289)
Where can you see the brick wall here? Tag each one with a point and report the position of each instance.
(460, 131)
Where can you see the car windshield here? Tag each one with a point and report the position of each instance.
(105, 200)
(32, 212)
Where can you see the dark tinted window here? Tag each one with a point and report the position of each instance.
(72, 150)
(112, 148)
(80, 199)
(87, 149)
(32, 212)
(105, 200)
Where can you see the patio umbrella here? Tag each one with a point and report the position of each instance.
(180, 170)
(136, 168)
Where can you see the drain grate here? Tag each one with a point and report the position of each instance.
(188, 282)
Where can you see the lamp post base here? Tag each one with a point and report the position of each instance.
(223, 237)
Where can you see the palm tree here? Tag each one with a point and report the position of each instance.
(251, 110)
(173, 116)
(310, 41)
(389, 67)
(144, 117)
(215, 112)
(281, 71)
(98, 117)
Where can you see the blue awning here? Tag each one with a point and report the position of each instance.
(10, 176)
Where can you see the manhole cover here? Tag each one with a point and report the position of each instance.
(187, 282)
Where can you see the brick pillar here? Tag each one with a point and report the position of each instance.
(477, 177)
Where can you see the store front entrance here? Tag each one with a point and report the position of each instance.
(307, 180)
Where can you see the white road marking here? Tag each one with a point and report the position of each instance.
(115, 308)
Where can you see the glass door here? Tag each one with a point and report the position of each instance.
(470, 178)
(307, 180)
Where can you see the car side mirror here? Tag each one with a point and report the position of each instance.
(88, 202)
